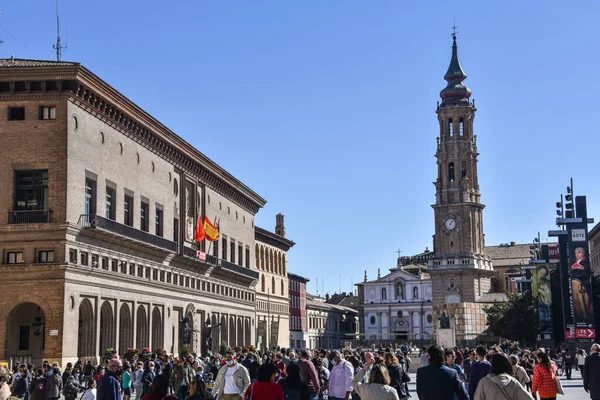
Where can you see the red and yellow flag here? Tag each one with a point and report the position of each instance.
(200, 233)
(211, 231)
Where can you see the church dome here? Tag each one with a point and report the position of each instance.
(455, 91)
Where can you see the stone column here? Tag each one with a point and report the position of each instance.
(134, 322)
(97, 315)
(117, 319)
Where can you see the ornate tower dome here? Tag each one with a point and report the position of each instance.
(455, 93)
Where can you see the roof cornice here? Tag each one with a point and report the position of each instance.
(268, 237)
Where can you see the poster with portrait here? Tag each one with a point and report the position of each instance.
(543, 293)
(581, 285)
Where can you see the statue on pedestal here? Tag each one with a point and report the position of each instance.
(207, 336)
(444, 321)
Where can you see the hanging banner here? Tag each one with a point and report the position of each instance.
(542, 290)
(580, 271)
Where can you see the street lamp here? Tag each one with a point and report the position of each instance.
(38, 325)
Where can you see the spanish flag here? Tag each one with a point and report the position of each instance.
(212, 231)
(200, 233)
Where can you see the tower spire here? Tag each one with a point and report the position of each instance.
(455, 92)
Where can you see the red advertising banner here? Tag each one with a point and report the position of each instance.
(585, 333)
(569, 334)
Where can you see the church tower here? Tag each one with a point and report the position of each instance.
(460, 270)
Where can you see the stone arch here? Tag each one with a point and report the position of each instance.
(271, 268)
(224, 338)
(107, 327)
(248, 334)
(86, 336)
(240, 332)
(141, 329)
(262, 257)
(257, 256)
(25, 333)
(284, 264)
(232, 332)
(279, 263)
(125, 328)
(157, 328)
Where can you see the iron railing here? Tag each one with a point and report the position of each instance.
(29, 216)
(96, 221)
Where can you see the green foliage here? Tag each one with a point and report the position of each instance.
(223, 348)
(516, 319)
(184, 351)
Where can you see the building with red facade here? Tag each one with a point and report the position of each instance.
(298, 324)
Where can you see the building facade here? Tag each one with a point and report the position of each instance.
(272, 292)
(594, 246)
(298, 321)
(330, 326)
(398, 306)
(100, 204)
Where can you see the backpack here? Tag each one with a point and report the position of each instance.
(40, 384)
(292, 394)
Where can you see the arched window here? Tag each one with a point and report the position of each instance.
(383, 294)
(463, 170)
(257, 255)
(282, 287)
(415, 292)
(273, 285)
(283, 264)
(399, 290)
(461, 131)
(451, 172)
(262, 257)
(262, 283)
(450, 127)
(271, 261)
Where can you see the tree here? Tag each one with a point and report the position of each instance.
(515, 319)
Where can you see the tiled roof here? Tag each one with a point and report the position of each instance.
(507, 255)
(20, 63)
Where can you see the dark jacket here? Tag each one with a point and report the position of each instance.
(479, 369)
(53, 386)
(447, 383)
(289, 388)
(35, 393)
(591, 375)
(109, 387)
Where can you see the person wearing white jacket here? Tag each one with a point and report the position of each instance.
(90, 393)
(500, 384)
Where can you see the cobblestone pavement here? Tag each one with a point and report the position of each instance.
(573, 388)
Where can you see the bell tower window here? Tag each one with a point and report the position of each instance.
(450, 127)
(462, 127)
(464, 169)
(451, 172)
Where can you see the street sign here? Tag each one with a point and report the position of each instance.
(53, 332)
(585, 333)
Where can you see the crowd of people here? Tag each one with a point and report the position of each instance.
(497, 373)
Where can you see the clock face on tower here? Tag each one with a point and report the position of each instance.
(449, 223)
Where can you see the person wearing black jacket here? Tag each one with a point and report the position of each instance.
(293, 383)
(53, 385)
(591, 373)
(437, 382)
(398, 378)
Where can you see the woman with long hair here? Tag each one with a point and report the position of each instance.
(544, 377)
(265, 387)
(378, 387)
(500, 384)
(398, 377)
(519, 372)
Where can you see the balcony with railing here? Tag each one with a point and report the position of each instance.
(29, 216)
(94, 221)
(199, 255)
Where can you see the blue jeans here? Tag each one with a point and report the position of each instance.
(182, 393)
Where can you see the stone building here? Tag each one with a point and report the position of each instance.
(330, 326)
(298, 316)
(100, 202)
(272, 293)
(594, 246)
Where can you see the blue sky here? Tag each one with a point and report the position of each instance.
(326, 108)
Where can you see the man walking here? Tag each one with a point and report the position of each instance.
(437, 382)
(309, 374)
(340, 380)
(591, 373)
(109, 387)
(232, 380)
(479, 369)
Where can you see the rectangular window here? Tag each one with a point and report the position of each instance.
(128, 210)
(45, 256)
(31, 190)
(247, 257)
(232, 252)
(73, 256)
(131, 269)
(24, 337)
(240, 254)
(95, 262)
(176, 230)
(216, 248)
(16, 113)
(224, 252)
(110, 203)
(90, 197)
(144, 215)
(47, 112)
(140, 271)
(159, 222)
(14, 257)
(84, 258)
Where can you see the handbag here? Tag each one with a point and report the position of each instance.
(559, 387)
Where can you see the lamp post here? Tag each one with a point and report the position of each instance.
(38, 325)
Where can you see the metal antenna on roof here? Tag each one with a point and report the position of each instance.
(58, 47)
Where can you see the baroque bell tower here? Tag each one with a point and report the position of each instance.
(460, 270)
